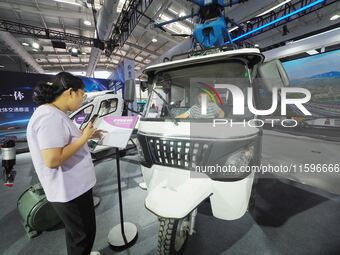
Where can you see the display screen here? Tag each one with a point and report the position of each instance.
(320, 74)
(16, 104)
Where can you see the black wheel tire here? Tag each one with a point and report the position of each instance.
(167, 236)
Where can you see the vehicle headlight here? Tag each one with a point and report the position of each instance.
(140, 151)
(241, 157)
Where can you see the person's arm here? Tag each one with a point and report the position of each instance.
(184, 115)
(220, 113)
(55, 150)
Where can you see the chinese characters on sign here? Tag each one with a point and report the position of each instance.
(15, 109)
(18, 95)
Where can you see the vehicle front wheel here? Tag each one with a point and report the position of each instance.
(172, 235)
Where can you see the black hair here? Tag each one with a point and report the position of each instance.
(47, 92)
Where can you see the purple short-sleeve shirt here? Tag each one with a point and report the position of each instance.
(51, 128)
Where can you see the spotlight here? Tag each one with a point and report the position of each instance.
(98, 44)
(74, 52)
(107, 53)
(154, 40)
(25, 44)
(35, 45)
(87, 23)
(256, 45)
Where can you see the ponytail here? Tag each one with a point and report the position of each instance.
(48, 92)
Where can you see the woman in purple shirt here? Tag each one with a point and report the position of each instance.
(62, 159)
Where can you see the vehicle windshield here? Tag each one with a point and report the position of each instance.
(191, 92)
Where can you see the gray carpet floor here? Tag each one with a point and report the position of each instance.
(288, 219)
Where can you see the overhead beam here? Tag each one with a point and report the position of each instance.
(142, 49)
(43, 33)
(324, 39)
(128, 19)
(286, 13)
(65, 13)
(17, 48)
(76, 64)
(104, 27)
(159, 33)
(61, 54)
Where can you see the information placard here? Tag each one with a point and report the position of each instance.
(118, 128)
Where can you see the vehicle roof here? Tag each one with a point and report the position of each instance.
(206, 58)
(91, 96)
(98, 93)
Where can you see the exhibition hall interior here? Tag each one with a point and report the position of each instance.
(158, 127)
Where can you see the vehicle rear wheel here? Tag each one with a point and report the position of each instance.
(172, 235)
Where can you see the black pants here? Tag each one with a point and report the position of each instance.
(79, 219)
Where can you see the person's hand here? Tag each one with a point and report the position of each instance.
(88, 131)
(98, 134)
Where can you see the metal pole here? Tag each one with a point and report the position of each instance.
(120, 196)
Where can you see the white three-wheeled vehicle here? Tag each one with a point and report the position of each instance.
(180, 156)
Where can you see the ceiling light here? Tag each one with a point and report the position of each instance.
(232, 29)
(74, 52)
(182, 14)
(35, 50)
(25, 44)
(273, 8)
(175, 27)
(120, 6)
(68, 2)
(312, 52)
(172, 11)
(83, 53)
(154, 40)
(35, 45)
(334, 17)
(87, 23)
(256, 45)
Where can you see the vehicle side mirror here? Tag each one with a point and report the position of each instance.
(129, 91)
(273, 75)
